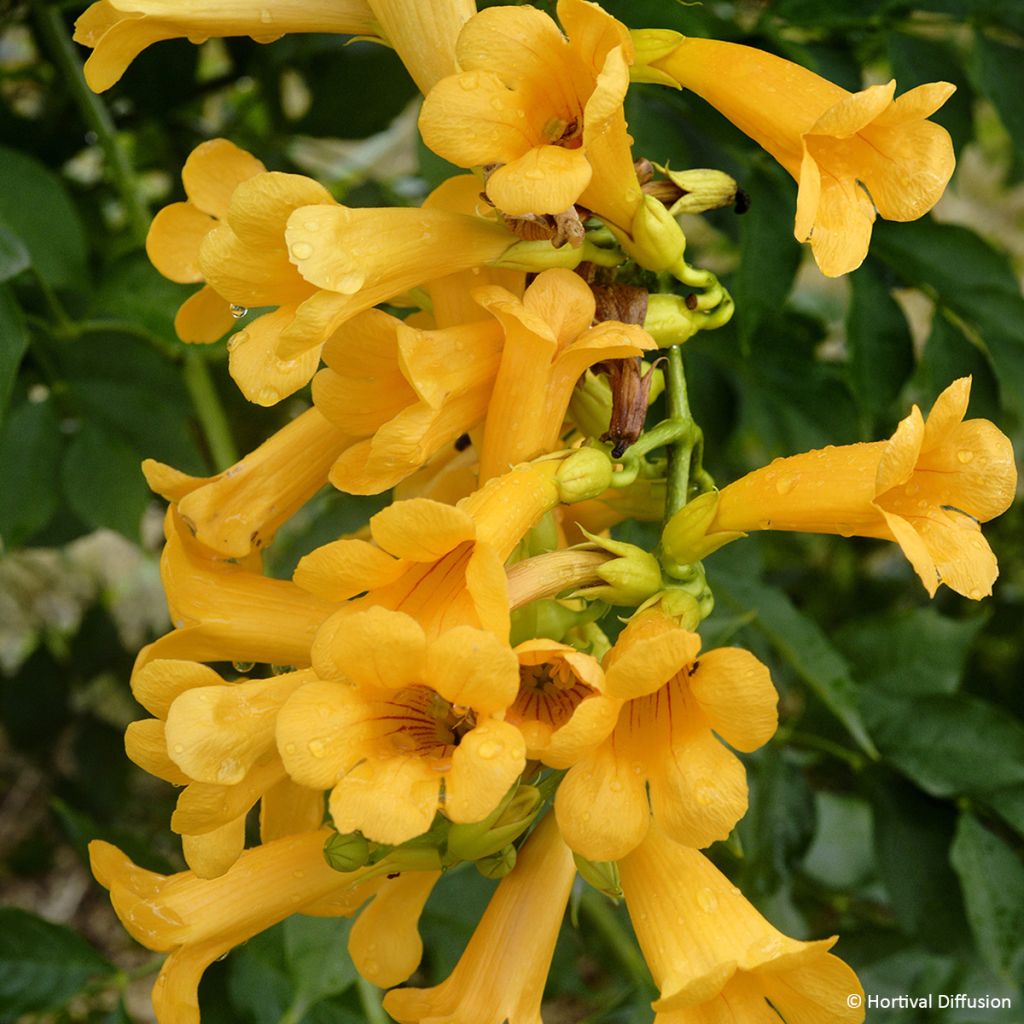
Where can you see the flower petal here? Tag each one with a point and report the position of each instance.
(344, 568)
(203, 317)
(650, 651)
(172, 243)
(473, 668)
(379, 650)
(484, 765)
(421, 530)
(212, 172)
(156, 685)
(255, 367)
(545, 179)
(735, 691)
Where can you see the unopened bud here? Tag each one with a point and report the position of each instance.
(700, 189)
(535, 256)
(629, 579)
(347, 852)
(499, 864)
(669, 320)
(591, 404)
(685, 538)
(651, 45)
(603, 875)
(471, 841)
(583, 475)
(657, 242)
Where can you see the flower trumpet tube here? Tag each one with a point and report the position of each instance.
(117, 31)
(239, 510)
(198, 920)
(502, 973)
(715, 958)
(852, 154)
(928, 488)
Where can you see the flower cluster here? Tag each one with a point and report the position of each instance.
(437, 689)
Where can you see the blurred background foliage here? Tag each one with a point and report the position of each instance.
(889, 808)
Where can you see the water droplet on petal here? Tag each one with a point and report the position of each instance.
(785, 485)
(488, 750)
(317, 748)
(616, 786)
(302, 250)
(707, 900)
(237, 340)
(242, 666)
(266, 17)
(268, 395)
(238, 311)
(964, 455)
(975, 594)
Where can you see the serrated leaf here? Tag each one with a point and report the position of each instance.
(35, 206)
(30, 445)
(948, 744)
(992, 878)
(881, 350)
(918, 651)
(803, 644)
(42, 965)
(13, 343)
(102, 481)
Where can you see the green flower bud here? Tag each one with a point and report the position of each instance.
(702, 189)
(347, 852)
(591, 404)
(603, 875)
(657, 241)
(584, 474)
(497, 865)
(629, 579)
(669, 321)
(508, 821)
(652, 45)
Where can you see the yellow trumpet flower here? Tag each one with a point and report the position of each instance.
(852, 154)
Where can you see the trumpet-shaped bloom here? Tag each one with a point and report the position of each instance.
(662, 759)
(239, 510)
(117, 31)
(408, 392)
(545, 109)
(852, 154)
(401, 726)
(217, 740)
(442, 565)
(549, 343)
(230, 611)
(927, 488)
(246, 260)
(560, 709)
(715, 959)
(501, 975)
(212, 172)
(198, 920)
(353, 259)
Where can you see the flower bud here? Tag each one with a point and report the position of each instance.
(669, 321)
(591, 404)
(537, 255)
(701, 189)
(499, 864)
(629, 579)
(583, 475)
(657, 241)
(603, 875)
(685, 538)
(651, 45)
(481, 839)
(347, 852)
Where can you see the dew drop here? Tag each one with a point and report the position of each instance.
(468, 82)
(705, 793)
(266, 17)
(707, 900)
(975, 594)
(289, 748)
(785, 485)
(616, 786)
(268, 396)
(242, 666)
(179, 748)
(638, 768)
(298, 874)
(488, 751)
(311, 225)
(317, 748)
(237, 340)
(227, 769)
(281, 670)
(302, 250)
(349, 284)
(370, 968)
(238, 311)
(964, 455)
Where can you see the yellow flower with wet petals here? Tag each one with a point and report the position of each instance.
(545, 109)
(852, 154)
(928, 488)
(119, 30)
(662, 761)
(198, 920)
(212, 172)
(501, 975)
(396, 717)
(714, 958)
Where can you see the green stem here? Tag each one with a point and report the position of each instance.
(811, 742)
(681, 451)
(208, 408)
(600, 916)
(369, 999)
(97, 117)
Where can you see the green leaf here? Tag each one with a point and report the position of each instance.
(948, 744)
(102, 481)
(14, 257)
(992, 877)
(13, 343)
(841, 855)
(30, 445)
(35, 206)
(1009, 805)
(916, 61)
(917, 651)
(258, 984)
(780, 823)
(316, 957)
(881, 350)
(42, 965)
(921, 887)
(769, 254)
(801, 642)
(998, 70)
